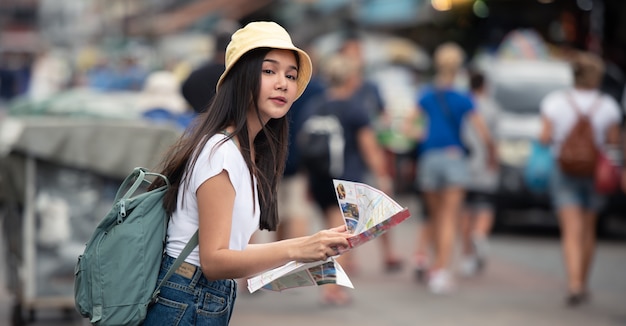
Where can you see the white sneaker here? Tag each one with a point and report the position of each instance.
(440, 282)
(469, 266)
(481, 249)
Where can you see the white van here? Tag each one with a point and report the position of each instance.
(518, 86)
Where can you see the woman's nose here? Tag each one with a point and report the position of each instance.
(281, 83)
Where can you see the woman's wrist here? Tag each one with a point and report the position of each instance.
(384, 183)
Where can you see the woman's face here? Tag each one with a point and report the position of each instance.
(279, 73)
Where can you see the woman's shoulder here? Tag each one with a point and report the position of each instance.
(612, 107)
(220, 144)
(554, 100)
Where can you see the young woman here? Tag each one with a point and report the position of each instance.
(574, 198)
(442, 169)
(224, 174)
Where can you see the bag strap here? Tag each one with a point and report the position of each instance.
(592, 107)
(137, 177)
(443, 104)
(193, 242)
(445, 108)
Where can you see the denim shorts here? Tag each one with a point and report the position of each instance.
(442, 168)
(192, 300)
(567, 190)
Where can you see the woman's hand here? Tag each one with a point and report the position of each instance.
(321, 245)
(492, 156)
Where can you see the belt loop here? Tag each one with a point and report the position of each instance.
(196, 277)
(233, 288)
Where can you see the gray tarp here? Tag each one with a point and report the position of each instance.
(107, 147)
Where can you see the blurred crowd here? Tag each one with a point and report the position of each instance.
(451, 123)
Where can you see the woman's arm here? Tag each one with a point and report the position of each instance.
(374, 158)
(480, 126)
(545, 134)
(216, 198)
(409, 127)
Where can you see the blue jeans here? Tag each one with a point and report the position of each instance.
(192, 301)
(439, 169)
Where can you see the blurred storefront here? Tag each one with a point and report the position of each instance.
(598, 25)
(160, 31)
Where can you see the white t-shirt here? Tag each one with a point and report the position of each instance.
(557, 108)
(213, 159)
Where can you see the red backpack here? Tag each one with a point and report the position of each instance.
(579, 154)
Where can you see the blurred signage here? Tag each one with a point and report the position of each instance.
(385, 12)
(19, 40)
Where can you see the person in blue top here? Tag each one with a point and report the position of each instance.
(442, 172)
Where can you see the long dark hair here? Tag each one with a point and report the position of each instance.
(239, 89)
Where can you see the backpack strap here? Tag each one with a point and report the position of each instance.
(193, 242)
(592, 108)
(137, 177)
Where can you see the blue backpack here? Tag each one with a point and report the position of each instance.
(116, 276)
(538, 168)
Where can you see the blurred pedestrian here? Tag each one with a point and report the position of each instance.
(15, 73)
(199, 87)
(573, 196)
(224, 175)
(478, 212)
(294, 206)
(160, 100)
(51, 74)
(368, 97)
(442, 168)
(361, 153)
(160, 91)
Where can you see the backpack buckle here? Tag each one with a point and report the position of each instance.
(122, 213)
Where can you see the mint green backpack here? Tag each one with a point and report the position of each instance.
(116, 276)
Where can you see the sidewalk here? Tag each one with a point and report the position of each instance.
(523, 285)
(508, 294)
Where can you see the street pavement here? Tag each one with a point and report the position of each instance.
(524, 284)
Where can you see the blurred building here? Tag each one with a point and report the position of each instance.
(596, 25)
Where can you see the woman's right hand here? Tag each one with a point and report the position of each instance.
(321, 245)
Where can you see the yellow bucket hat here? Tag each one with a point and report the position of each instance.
(265, 35)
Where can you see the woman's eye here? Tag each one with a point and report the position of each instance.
(292, 77)
(268, 71)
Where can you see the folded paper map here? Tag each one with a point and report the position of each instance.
(368, 213)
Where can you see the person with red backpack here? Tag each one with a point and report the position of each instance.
(579, 123)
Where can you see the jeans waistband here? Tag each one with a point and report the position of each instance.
(195, 276)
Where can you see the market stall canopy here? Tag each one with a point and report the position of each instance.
(106, 147)
(181, 18)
